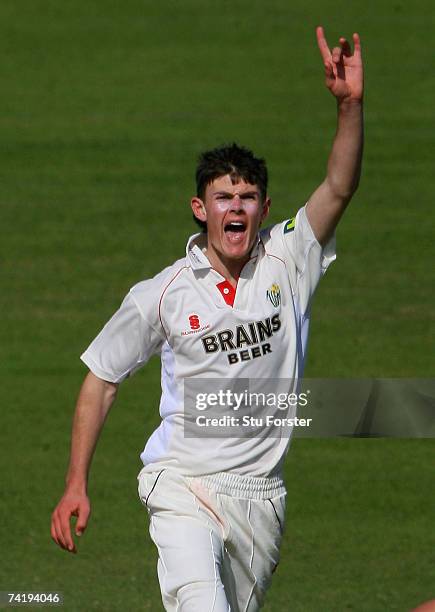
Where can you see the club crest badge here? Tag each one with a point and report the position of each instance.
(274, 295)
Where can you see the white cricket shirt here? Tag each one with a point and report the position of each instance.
(185, 314)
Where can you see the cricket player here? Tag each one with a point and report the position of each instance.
(235, 307)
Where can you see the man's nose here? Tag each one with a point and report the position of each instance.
(236, 202)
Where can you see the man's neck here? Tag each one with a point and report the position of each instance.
(229, 268)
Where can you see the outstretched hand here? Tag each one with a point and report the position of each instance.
(343, 69)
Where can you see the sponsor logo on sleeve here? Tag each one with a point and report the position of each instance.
(290, 225)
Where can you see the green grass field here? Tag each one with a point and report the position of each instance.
(105, 107)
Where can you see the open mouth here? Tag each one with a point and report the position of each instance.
(235, 227)
(235, 231)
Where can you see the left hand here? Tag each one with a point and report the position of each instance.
(343, 70)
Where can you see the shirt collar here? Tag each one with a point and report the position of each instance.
(195, 251)
(197, 244)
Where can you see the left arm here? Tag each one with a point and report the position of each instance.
(344, 78)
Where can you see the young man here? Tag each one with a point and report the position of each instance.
(235, 307)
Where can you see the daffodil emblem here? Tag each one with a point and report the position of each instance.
(274, 295)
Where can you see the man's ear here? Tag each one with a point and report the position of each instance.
(198, 208)
(266, 207)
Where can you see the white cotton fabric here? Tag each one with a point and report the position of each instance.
(154, 318)
(217, 552)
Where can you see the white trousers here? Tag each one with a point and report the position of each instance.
(218, 538)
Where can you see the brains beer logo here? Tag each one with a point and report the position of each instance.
(274, 295)
(245, 342)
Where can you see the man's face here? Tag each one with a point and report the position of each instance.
(234, 211)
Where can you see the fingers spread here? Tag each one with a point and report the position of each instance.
(345, 47)
(336, 54)
(323, 45)
(329, 70)
(357, 44)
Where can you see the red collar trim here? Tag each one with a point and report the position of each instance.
(228, 292)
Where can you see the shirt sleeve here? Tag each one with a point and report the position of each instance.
(125, 343)
(306, 260)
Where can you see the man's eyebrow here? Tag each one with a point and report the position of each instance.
(229, 193)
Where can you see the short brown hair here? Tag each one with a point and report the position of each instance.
(229, 159)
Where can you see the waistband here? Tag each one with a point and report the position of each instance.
(246, 487)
